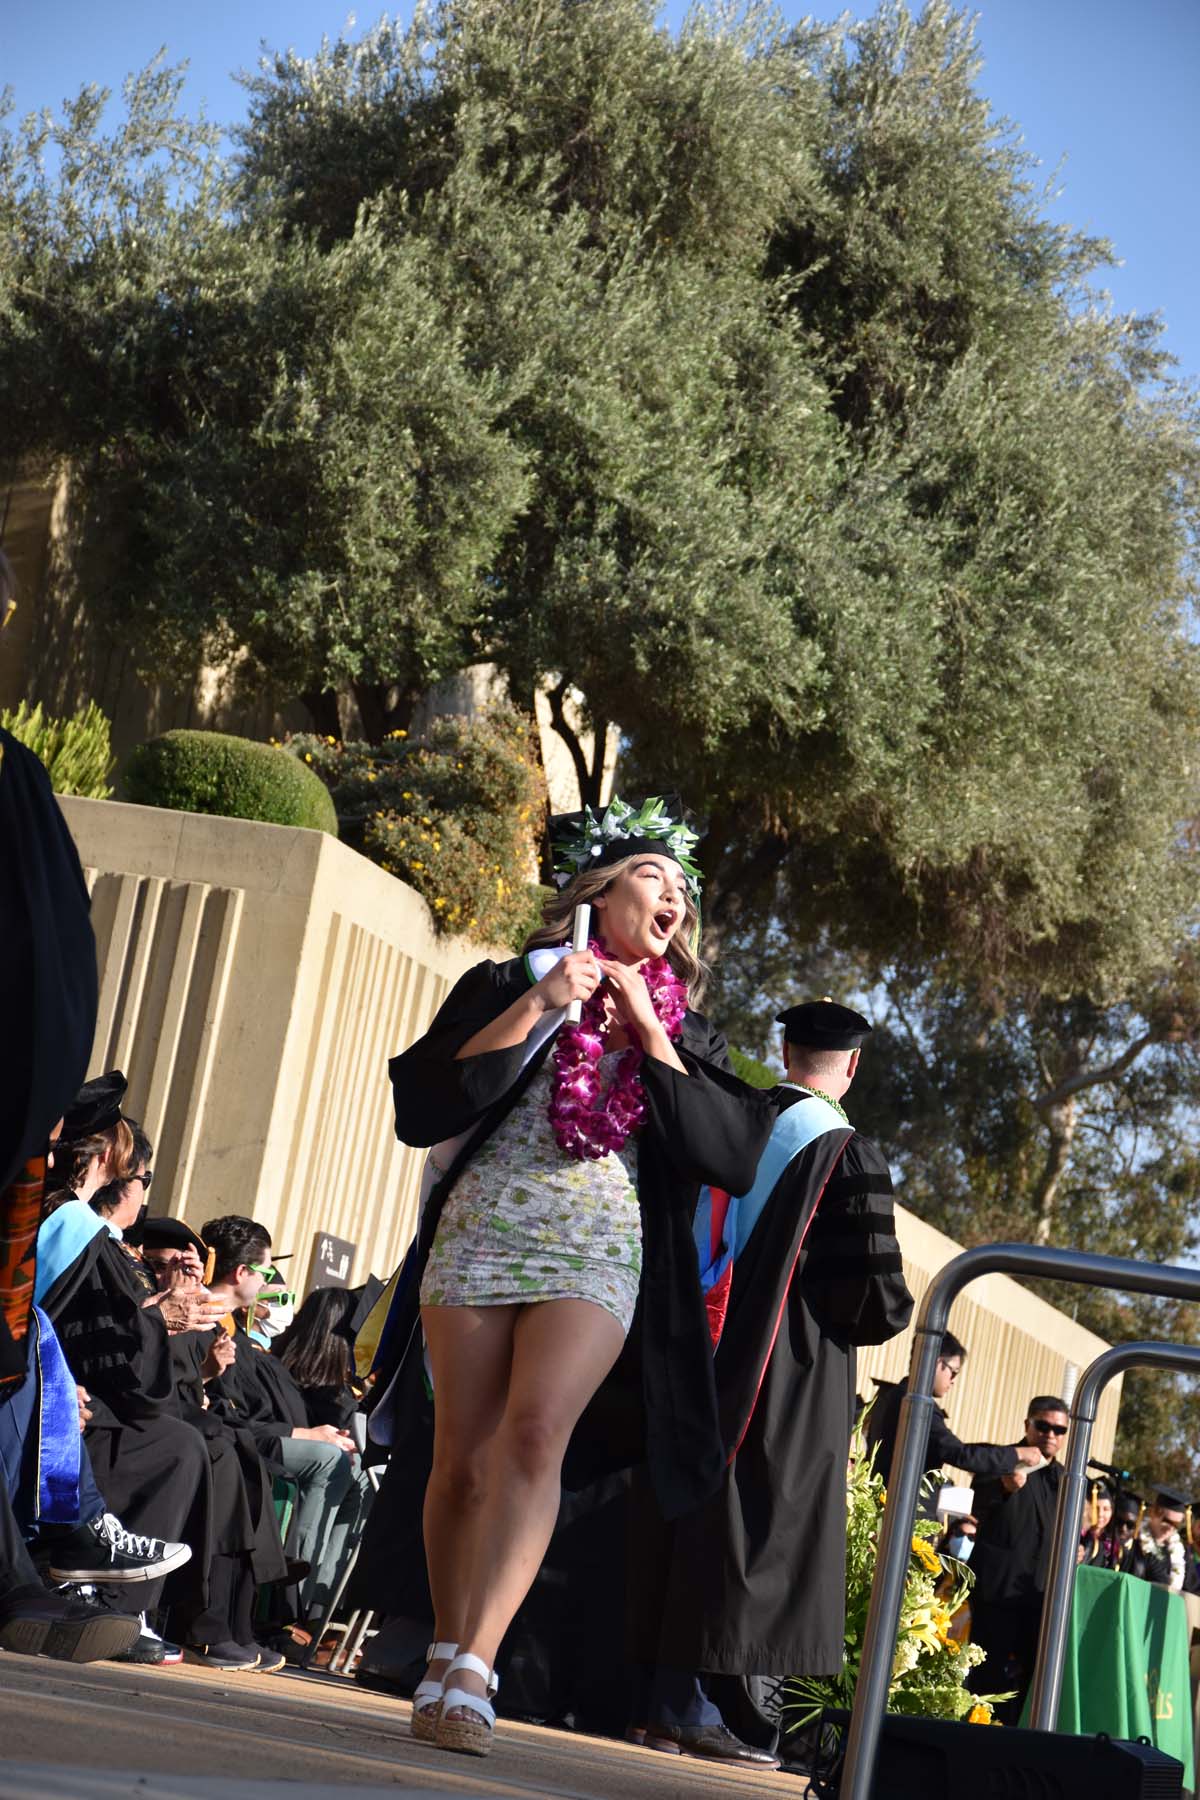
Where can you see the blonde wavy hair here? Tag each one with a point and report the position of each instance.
(555, 927)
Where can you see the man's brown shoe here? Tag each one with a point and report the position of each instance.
(716, 1743)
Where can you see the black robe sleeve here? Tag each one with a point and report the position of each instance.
(853, 1275)
(440, 1095)
(977, 1459)
(712, 1127)
(116, 1348)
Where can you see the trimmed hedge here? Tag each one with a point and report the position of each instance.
(234, 777)
(76, 753)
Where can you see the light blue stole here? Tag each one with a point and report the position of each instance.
(794, 1130)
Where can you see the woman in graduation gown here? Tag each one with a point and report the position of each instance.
(157, 1471)
(558, 1218)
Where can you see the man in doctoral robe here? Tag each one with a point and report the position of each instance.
(798, 1272)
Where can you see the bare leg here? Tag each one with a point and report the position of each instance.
(470, 1353)
(562, 1350)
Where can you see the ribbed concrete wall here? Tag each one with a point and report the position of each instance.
(254, 981)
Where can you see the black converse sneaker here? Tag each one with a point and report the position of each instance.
(103, 1551)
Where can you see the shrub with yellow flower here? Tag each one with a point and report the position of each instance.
(451, 811)
(930, 1667)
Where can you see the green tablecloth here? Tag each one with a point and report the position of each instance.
(1126, 1668)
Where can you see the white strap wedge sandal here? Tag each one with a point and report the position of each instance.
(473, 1735)
(427, 1696)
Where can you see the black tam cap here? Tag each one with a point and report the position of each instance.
(1172, 1501)
(95, 1107)
(165, 1234)
(824, 1025)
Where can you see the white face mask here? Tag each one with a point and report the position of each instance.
(278, 1316)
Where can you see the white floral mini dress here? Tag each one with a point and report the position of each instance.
(526, 1223)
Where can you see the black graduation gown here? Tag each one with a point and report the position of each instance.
(1011, 1561)
(661, 1394)
(659, 1403)
(883, 1425)
(257, 1393)
(252, 1526)
(152, 1468)
(753, 1583)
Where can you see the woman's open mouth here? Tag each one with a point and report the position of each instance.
(665, 922)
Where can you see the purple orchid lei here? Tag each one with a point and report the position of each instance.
(587, 1123)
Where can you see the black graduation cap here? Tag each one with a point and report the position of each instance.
(1171, 1500)
(165, 1234)
(365, 1296)
(95, 1107)
(824, 1025)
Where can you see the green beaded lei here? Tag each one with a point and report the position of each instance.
(818, 1094)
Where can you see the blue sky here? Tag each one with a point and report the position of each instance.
(1111, 87)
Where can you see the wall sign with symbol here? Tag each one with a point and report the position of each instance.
(332, 1261)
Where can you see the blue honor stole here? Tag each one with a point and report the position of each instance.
(736, 1215)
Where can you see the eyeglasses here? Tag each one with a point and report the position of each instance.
(953, 1370)
(145, 1179)
(1045, 1425)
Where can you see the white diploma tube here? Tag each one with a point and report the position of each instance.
(580, 927)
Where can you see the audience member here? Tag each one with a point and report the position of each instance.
(155, 1469)
(317, 1350)
(259, 1392)
(1157, 1552)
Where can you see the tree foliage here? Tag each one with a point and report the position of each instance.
(736, 378)
(738, 381)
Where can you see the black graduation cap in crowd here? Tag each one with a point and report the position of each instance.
(1171, 1501)
(824, 1025)
(165, 1234)
(95, 1107)
(366, 1297)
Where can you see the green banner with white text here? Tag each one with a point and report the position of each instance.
(1126, 1667)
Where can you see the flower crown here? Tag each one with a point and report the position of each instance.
(587, 840)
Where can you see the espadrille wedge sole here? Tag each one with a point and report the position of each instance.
(427, 1696)
(473, 1735)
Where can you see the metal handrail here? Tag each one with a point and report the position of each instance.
(1060, 1580)
(916, 1415)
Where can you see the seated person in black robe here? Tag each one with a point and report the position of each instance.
(800, 1270)
(258, 1392)
(158, 1472)
(317, 1350)
(883, 1424)
(173, 1252)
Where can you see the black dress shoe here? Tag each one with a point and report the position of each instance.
(716, 1743)
(36, 1622)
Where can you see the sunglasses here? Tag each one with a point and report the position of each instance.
(953, 1370)
(145, 1179)
(1045, 1425)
